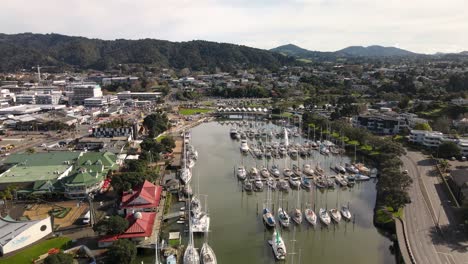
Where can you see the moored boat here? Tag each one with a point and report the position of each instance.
(278, 246)
(310, 216)
(324, 216)
(268, 218)
(345, 213)
(335, 215)
(283, 217)
(207, 254)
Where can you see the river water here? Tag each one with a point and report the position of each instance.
(238, 234)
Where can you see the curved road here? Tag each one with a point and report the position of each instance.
(428, 207)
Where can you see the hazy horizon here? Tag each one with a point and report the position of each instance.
(324, 25)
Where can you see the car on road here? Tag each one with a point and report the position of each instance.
(405, 172)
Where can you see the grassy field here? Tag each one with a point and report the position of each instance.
(384, 215)
(194, 111)
(304, 60)
(31, 253)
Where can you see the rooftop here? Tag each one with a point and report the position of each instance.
(10, 228)
(37, 166)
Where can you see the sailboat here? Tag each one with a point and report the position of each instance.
(264, 172)
(191, 255)
(268, 217)
(275, 171)
(278, 246)
(305, 183)
(335, 214)
(283, 217)
(296, 213)
(324, 216)
(307, 169)
(345, 213)
(283, 185)
(310, 216)
(185, 174)
(241, 173)
(207, 254)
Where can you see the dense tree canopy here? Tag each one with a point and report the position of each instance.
(113, 225)
(156, 123)
(449, 149)
(122, 251)
(59, 258)
(27, 50)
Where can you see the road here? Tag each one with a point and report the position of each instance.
(429, 209)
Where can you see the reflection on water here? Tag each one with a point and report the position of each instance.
(238, 234)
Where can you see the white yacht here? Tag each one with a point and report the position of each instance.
(191, 255)
(310, 216)
(345, 213)
(283, 217)
(244, 146)
(324, 216)
(297, 216)
(186, 175)
(275, 171)
(265, 173)
(207, 254)
(335, 214)
(307, 169)
(241, 173)
(340, 169)
(278, 246)
(351, 168)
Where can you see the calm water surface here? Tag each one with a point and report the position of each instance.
(238, 234)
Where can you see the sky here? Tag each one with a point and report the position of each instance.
(424, 26)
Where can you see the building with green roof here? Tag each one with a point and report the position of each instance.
(89, 173)
(75, 174)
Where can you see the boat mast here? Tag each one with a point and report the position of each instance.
(156, 257)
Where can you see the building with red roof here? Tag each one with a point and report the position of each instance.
(144, 199)
(139, 229)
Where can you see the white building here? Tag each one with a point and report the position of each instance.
(433, 139)
(100, 101)
(15, 235)
(139, 96)
(84, 91)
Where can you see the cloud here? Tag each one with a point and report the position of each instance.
(422, 26)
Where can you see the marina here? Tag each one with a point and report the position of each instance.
(248, 216)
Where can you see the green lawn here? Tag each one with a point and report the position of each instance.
(31, 253)
(194, 111)
(384, 215)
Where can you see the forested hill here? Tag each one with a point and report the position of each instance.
(26, 50)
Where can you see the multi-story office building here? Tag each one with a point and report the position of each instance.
(84, 91)
(48, 99)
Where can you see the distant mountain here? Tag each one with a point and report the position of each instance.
(300, 53)
(374, 51)
(291, 50)
(349, 52)
(26, 50)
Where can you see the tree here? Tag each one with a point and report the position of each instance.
(150, 144)
(113, 225)
(122, 251)
(448, 149)
(423, 126)
(156, 123)
(168, 143)
(59, 258)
